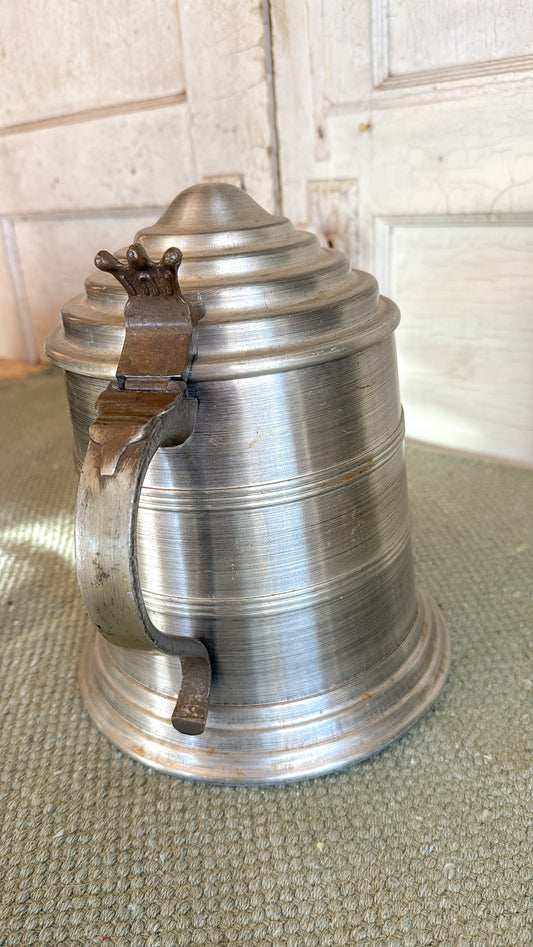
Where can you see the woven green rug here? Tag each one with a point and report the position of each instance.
(426, 844)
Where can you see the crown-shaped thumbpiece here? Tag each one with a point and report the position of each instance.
(161, 335)
(141, 276)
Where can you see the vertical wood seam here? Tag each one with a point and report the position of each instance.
(379, 41)
(272, 107)
(383, 255)
(19, 290)
(188, 111)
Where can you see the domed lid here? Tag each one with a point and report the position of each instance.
(274, 298)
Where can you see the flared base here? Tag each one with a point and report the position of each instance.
(273, 742)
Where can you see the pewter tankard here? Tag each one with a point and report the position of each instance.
(242, 533)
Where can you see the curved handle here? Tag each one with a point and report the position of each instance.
(135, 416)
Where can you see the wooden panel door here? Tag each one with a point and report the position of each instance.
(406, 138)
(106, 114)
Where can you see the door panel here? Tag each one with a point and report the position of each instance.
(429, 113)
(108, 111)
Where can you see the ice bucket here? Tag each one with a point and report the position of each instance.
(242, 530)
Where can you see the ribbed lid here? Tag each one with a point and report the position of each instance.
(274, 298)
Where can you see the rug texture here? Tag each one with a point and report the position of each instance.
(425, 844)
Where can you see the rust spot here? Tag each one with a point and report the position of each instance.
(424, 631)
(443, 663)
(101, 575)
(255, 439)
(348, 477)
(365, 126)
(364, 698)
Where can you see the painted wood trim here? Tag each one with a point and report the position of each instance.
(384, 227)
(89, 115)
(460, 73)
(433, 80)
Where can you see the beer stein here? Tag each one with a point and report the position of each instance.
(242, 531)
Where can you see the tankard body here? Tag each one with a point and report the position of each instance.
(277, 534)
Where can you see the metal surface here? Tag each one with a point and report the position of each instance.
(278, 535)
